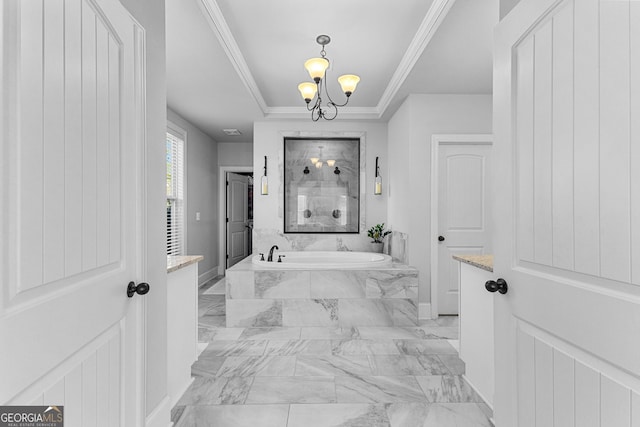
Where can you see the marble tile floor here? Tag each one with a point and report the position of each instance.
(317, 376)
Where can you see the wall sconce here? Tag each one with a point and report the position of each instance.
(264, 187)
(377, 189)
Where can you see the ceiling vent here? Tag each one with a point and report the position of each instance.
(231, 132)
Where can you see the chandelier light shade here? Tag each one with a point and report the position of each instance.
(348, 83)
(307, 90)
(317, 68)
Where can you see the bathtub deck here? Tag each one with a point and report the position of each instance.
(384, 296)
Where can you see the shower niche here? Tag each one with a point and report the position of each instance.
(321, 185)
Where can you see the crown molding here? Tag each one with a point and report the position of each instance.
(434, 17)
(345, 113)
(219, 26)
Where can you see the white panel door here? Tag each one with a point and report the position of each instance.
(237, 218)
(463, 223)
(567, 150)
(71, 225)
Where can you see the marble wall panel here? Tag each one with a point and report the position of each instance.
(364, 312)
(314, 312)
(239, 285)
(404, 312)
(338, 284)
(392, 284)
(264, 238)
(282, 284)
(397, 246)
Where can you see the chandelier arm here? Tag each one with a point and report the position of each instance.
(315, 117)
(326, 90)
(315, 104)
(331, 104)
(326, 87)
(341, 105)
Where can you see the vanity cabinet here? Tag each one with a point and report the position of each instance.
(476, 323)
(182, 323)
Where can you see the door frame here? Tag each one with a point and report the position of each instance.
(222, 211)
(436, 141)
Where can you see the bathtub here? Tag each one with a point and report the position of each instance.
(322, 260)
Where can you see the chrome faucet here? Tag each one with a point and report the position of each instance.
(270, 257)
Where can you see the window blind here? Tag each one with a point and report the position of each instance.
(175, 194)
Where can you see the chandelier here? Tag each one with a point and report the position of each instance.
(317, 68)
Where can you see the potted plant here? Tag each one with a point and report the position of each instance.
(377, 233)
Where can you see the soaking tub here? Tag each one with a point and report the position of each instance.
(323, 260)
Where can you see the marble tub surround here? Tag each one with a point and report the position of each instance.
(379, 296)
(484, 262)
(390, 376)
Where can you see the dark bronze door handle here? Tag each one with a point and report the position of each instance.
(440, 238)
(140, 289)
(499, 285)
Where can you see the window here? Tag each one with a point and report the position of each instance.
(175, 193)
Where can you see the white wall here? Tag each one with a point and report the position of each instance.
(410, 131)
(235, 154)
(202, 196)
(399, 156)
(268, 219)
(150, 14)
(506, 6)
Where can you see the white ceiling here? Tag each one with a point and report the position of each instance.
(232, 62)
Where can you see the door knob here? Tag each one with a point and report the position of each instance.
(499, 285)
(140, 289)
(440, 238)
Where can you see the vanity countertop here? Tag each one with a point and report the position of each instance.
(177, 262)
(484, 262)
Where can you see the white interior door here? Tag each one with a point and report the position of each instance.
(237, 218)
(567, 150)
(463, 222)
(70, 220)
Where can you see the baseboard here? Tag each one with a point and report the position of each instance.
(484, 399)
(161, 415)
(207, 275)
(424, 311)
(178, 394)
(221, 270)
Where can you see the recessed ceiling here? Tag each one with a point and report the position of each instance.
(232, 62)
(276, 48)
